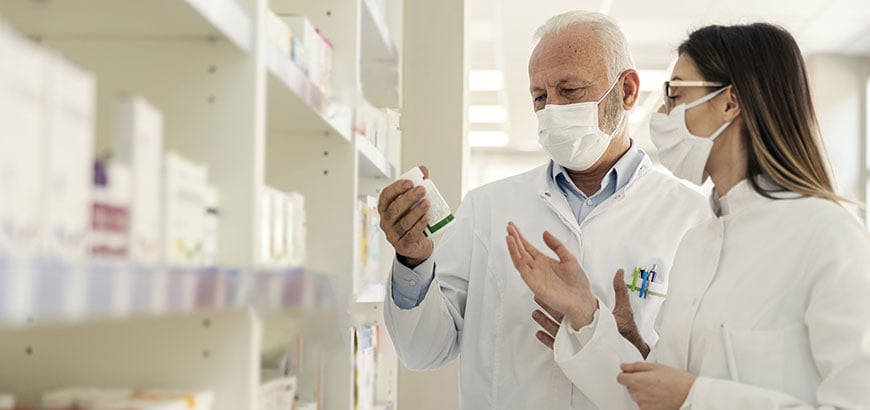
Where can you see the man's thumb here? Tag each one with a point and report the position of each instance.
(621, 291)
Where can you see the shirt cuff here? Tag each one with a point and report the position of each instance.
(575, 339)
(697, 392)
(409, 286)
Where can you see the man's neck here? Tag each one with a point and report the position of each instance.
(589, 181)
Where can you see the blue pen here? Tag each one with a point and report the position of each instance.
(645, 284)
(653, 273)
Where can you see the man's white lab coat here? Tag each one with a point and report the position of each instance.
(479, 308)
(790, 281)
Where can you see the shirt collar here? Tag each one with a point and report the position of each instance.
(743, 196)
(621, 172)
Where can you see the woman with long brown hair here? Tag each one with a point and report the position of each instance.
(768, 303)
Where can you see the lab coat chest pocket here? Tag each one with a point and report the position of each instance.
(760, 357)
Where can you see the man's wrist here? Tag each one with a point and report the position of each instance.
(411, 263)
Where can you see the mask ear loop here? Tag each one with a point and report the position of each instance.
(612, 86)
(706, 98)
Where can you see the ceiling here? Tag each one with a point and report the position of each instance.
(501, 38)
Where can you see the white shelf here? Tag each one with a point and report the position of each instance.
(373, 163)
(217, 350)
(94, 291)
(380, 59)
(296, 104)
(132, 19)
(376, 40)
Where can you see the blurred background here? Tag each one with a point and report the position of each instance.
(188, 188)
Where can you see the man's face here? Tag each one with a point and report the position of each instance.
(568, 68)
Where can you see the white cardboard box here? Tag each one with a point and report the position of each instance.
(296, 229)
(185, 185)
(22, 98)
(279, 32)
(139, 145)
(68, 158)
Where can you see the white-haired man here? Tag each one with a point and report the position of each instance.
(599, 191)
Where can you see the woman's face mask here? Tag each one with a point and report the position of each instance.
(680, 151)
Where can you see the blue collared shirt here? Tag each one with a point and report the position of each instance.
(613, 181)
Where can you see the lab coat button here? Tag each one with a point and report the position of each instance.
(412, 282)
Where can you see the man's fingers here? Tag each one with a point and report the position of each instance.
(391, 192)
(425, 171)
(402, 204)
(557, 247)
(545, 338)
(415, 232)
(407, 222)
(546, 322)
(555, 314)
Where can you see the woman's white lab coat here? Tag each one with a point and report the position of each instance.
(788, 279)
(478, 307)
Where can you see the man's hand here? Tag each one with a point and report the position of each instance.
(655, 386)
(622, 312)
(561, 284)
(625, 316)
(403, 220)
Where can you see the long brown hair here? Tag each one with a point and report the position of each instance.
(763, 64)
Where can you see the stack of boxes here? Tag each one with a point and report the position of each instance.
(365, 369)
(368, 272)
(139, 147)
(283, 230)
(45, 150)
(126, 399)
(62, 206)
(306, 46)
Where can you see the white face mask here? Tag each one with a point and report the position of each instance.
(570, 134)
(680, 151)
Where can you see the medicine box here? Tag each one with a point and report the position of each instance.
(184, 190)
(67, 158)
(139, 145)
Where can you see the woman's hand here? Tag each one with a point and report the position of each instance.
(560, 284)
(655, 386)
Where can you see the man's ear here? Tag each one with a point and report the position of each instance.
(630, 89)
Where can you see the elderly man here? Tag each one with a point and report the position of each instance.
(599, 190)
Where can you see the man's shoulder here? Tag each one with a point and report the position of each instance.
(517, 184)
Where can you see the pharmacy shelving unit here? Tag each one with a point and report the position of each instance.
(230, 102)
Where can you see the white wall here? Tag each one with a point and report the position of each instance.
(839, 86)
(433, 134)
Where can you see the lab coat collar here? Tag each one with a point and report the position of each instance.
(744, 196)
(547, 187)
